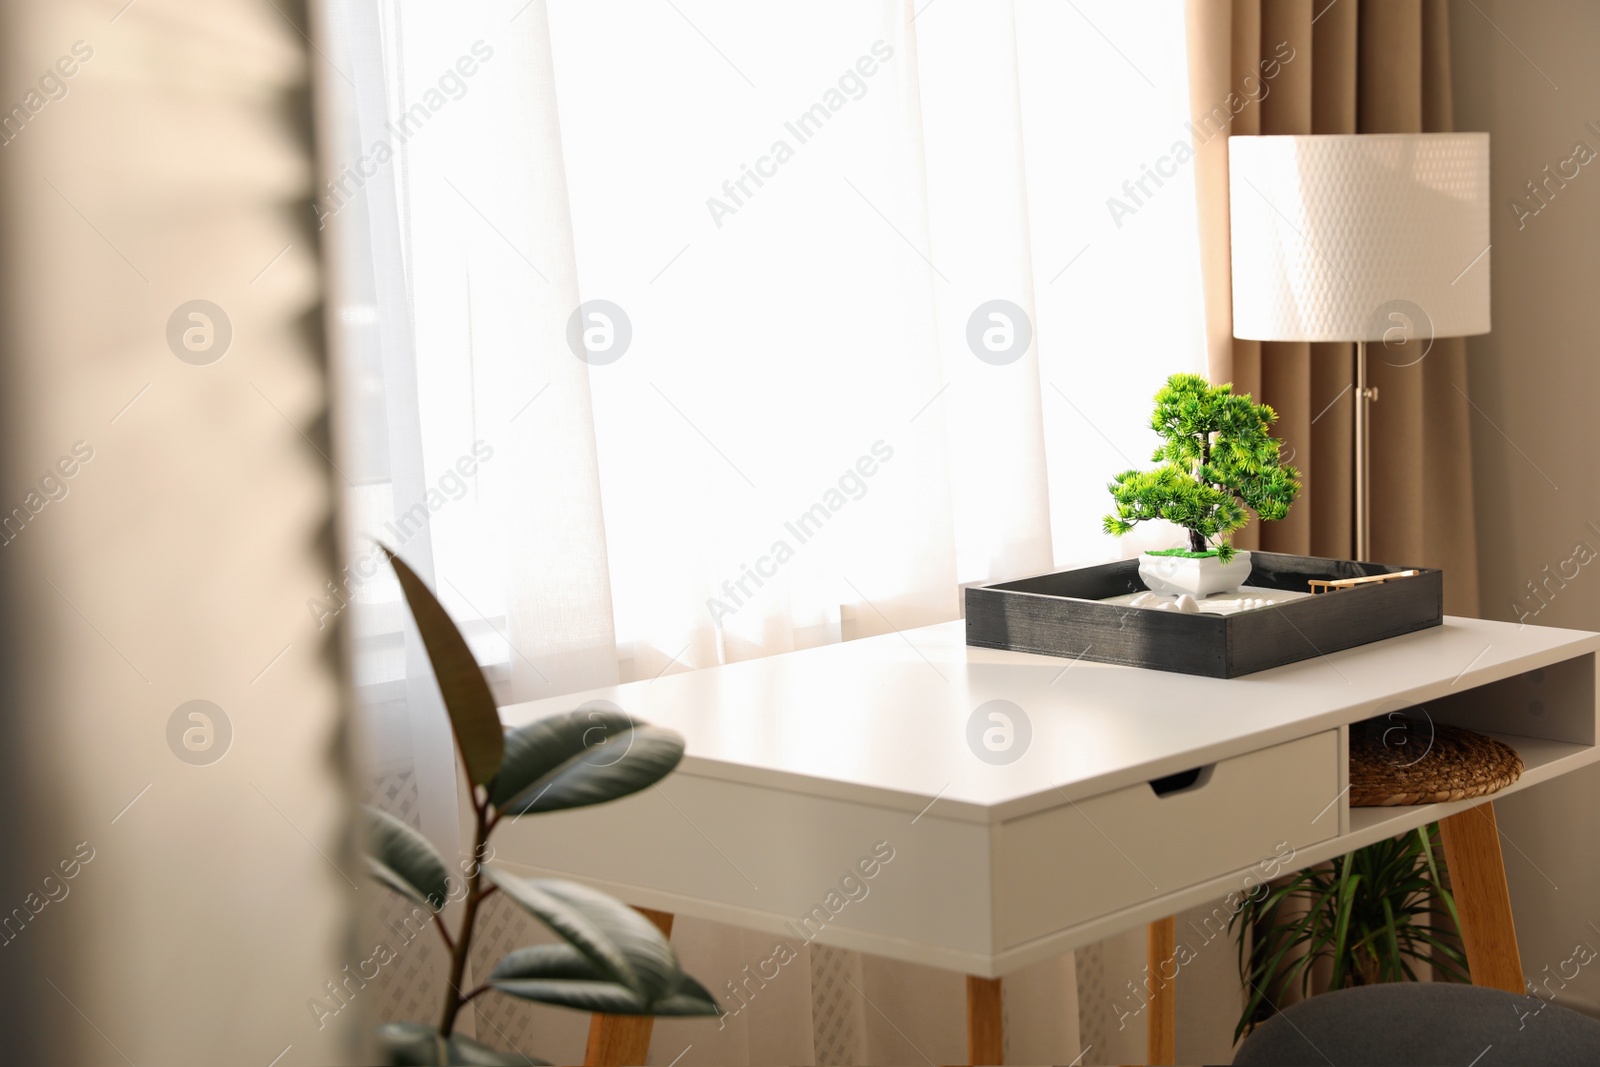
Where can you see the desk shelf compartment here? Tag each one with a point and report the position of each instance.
(1547, 714)
(1062, 614)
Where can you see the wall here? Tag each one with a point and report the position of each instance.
(1536, 381)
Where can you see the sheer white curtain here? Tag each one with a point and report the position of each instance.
(861, 327)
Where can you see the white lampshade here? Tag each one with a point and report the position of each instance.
(1332, 233)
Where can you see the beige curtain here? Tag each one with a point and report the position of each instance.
(1373, 67)
(173, 735)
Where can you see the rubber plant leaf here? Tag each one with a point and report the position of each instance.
(688, 998)
(620, 945)
(473, 717)
(419, 1045)
(560, 974)
(534, 750)
(580, 758)
(404, 860)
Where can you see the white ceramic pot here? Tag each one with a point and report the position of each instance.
(1173, 575)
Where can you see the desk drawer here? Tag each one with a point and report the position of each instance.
(1057, 868)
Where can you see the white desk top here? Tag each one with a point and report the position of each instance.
(884, 719)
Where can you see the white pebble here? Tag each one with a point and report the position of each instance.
(1186, 603)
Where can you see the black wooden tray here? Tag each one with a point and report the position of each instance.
(1059, 614)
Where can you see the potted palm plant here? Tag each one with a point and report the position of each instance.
(610, 958)
(1217, 459)
(1369, 915)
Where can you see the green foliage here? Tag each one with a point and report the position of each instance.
(581, 758)
(615, 960)
(405, 861)
(473, 718)
(1371, 914)
(611, 958)
(1217, 459)
(420, 1045)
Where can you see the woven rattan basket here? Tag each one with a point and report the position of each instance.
(1395, 762)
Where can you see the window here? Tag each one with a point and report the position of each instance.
(783, 232)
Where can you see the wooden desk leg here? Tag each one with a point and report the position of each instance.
(1162, 944)
(1478, 878)
(986, 1043)
(624, 1040)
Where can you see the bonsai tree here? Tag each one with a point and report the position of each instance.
(1217, 460)
(611, 959)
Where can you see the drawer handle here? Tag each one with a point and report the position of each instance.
(1181, 782)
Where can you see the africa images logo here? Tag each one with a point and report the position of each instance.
(805, 126)
(1213, 124)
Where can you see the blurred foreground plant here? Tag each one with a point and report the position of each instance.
(611, 959)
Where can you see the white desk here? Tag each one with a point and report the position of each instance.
(798, 765)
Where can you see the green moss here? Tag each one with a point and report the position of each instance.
(1183, 552)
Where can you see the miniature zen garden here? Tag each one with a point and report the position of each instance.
(1219, 462)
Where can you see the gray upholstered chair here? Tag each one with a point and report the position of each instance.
(1414, 1024)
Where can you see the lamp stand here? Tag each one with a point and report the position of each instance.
(1365, 395)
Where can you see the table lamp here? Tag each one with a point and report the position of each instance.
(1360, 237)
